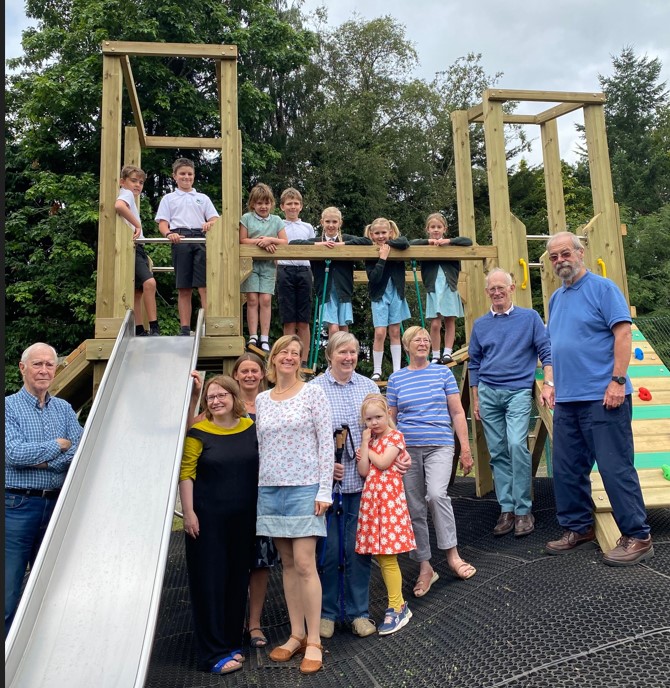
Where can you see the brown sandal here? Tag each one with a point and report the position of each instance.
(282, 654)
(311, 666)
(464, 570)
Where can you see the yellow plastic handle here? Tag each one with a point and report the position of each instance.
(524, 265)
(601, 265)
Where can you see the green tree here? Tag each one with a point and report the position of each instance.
(53, 102)
(637, 107)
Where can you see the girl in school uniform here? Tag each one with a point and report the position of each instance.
(440, 279)
(337, 309)
(386, 286)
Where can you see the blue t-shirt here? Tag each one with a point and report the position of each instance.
(581, 317)
(421, 399)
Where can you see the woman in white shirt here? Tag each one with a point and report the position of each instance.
(295, 483)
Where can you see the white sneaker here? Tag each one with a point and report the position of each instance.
(326, 628)
(363, 627)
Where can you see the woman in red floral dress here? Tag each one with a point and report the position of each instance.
(384, 526)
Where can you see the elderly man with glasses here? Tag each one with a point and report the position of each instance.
(504, 347)
(590, 330)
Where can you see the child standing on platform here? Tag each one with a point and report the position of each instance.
(337, 310)
(131, 183)
(386, 286)
(440, 279)
(294, 277)
(186, 213)
(260, 227)
(384, 525)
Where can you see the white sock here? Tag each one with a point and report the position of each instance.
(396, 356)
(436, 354)
(447, 351)
(377, 358)
(265, 338)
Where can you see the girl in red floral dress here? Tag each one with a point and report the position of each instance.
(384, 526)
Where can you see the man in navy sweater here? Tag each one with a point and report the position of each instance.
(504, 347)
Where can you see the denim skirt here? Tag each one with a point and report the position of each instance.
(288, 512)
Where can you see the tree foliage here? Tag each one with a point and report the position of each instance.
(334, 111)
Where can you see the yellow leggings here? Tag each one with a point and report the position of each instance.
(392, 579)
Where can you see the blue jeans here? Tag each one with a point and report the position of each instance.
(505, 415)
(356, 566)
(26, 520)
(583, 432)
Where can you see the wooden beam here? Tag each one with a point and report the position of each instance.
(605, 242)
(557, 111)
(509, 118)
(501, 95)
(183, 142)
(218, 52)
(553, 177)
(473, 113)
(361, 277)
(109, 304)
(473, 271)
(223, 248)
(134, 101)
(476, 253)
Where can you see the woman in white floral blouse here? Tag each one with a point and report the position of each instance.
(297, 455)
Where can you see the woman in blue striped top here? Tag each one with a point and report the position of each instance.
(425, 403)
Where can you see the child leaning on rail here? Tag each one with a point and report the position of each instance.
(186, 213)
(440, 279)
(265, 230)
(337, 309)
(131, 183)
(386, 286)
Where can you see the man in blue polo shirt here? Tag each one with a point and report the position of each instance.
(590, 331)
(504, 347)
(41, 437)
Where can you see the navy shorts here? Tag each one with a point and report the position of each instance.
(294, 293)
(142, 269)
(189, 261)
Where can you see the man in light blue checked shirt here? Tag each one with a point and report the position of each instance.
(41, 437)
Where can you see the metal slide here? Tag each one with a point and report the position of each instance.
(88, 614)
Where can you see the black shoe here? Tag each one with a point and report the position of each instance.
(154, 332)
(446, 359)
(185, 331)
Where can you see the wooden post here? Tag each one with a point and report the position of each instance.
(553, 179)
(476, 303)
(132, 155)
(110, 304)
(223, 314)
(605, 242)
(509, 234)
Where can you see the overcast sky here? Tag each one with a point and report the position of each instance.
(560, 45)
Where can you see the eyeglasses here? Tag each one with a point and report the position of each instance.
(221, 396)
(553, 257)
(495, 290)
(421, 341)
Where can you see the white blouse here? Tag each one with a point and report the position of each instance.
(295, 441)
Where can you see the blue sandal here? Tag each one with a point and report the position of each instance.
(218, 668)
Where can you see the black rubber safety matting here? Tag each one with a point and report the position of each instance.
(525, 620)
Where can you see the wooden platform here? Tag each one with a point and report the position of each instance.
(651, 433)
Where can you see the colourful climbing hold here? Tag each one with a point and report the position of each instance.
(639, 354)
(644, 394)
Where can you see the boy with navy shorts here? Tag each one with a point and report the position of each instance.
(186, 213)
(294, 277)
(131, 183)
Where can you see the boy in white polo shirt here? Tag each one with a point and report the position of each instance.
(186, 213)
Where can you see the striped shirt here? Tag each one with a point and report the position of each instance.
(30, 439)
(345, 404)
(421, 399)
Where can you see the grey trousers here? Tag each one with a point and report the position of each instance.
(426, 485)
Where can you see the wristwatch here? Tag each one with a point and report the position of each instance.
(619, 380)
